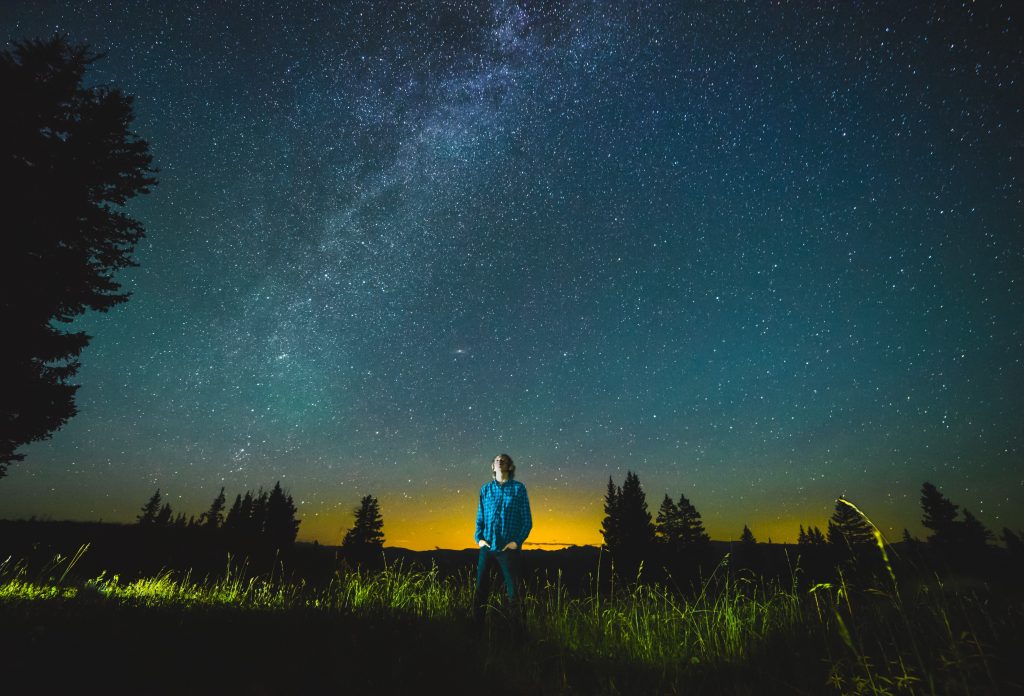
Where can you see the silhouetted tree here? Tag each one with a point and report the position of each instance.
(258, 517)
(973, 534)
(234, 525)
(68, 163)
(628, 529)
(747, 537)
(811, 537)
(693, 532)
(847, 529)
(281, 525)
(214, 517)
(147, 517)
(667, 525)
(610, 524)
(366, 538)
(636, 531)
(939, 515)
(163, 517)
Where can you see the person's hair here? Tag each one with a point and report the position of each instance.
(511, 466)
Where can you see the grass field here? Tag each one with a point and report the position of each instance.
(401, 628)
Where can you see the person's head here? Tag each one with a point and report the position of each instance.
(503, 463)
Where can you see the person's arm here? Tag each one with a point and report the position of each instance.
(480, 541)
(527, 519)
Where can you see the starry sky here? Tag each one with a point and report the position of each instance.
(763, 254)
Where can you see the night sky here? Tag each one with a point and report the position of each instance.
(761, 254)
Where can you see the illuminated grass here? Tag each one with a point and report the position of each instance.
(835, 637)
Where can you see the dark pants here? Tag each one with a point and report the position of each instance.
(509, 564)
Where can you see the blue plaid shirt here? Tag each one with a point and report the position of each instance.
(503, 514)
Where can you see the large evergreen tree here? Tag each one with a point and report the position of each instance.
(147, 516)
(667, 524)
(610, 524)
(214, 517)
(635, 528)
(847, 528)
(627, 528)
(939, 515)
(678, 525)
(163, 518)
(68, 165)
(366, 538)
(692, 533)
(973, 533)
(281, 526)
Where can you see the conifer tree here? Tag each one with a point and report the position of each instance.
(366, 538)
(233, 522)
(69, 164)
(163, 518)
(747, 537)
(815, 537)
(847, 528)
(610, 525)
(258, 518)
(214, 517)
(667, 525)
(692, 533)
(939, 515)
(281, 526)
(147, 517)
(246, 526)
(973, 533)
(636, 530)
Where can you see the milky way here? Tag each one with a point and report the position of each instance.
(762, 255)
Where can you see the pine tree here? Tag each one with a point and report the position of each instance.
(147, 517)
(692, 533)
(747, 537)
(636, 529)
(163, 518)
(973, 533)
(610, 525)
(233, 522)
(801, 538)
(282, 527)
(214, 517)
(847, 528)
(246, 527)
(258, 518)
(815, 537)
(939, 515)
(668, 528)
(70, 163)
(366, 538)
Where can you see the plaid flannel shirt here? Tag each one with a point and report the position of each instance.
(503, 514)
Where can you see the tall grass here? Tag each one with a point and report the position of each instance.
(839, 637)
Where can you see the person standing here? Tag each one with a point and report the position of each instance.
(503, 521)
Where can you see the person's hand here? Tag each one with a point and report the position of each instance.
(483, 543)
(511, 546)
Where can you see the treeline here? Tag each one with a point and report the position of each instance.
(675, 539)
(260, 520)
